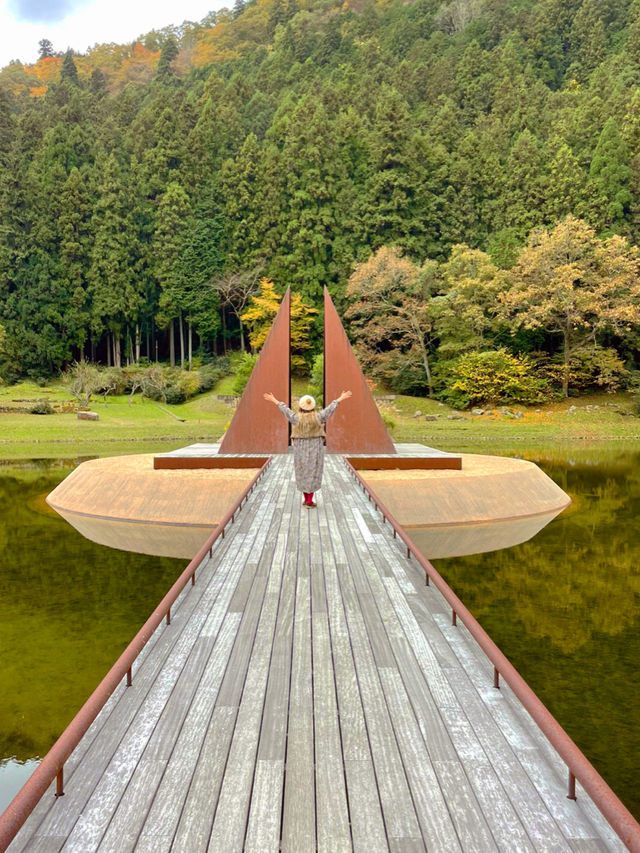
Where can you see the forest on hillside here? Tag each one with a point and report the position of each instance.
(464, 176)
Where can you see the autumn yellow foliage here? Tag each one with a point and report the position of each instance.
(261, 313)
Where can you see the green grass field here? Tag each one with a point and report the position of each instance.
(143, 426)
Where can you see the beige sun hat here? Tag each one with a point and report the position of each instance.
(307, 403)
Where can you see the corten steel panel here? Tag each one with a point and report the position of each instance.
(258, 426)
(356, 426)
(417, 463)
(190, 463)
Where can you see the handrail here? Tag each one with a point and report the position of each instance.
(51, 766)
(579, 767)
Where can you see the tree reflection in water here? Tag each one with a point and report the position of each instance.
(69, 608)
(565, 607)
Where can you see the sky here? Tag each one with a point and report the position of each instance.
(80, 24)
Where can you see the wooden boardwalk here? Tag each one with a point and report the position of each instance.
(311, 694)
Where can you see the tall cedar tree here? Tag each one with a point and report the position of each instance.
(114, 288)
(169, 242)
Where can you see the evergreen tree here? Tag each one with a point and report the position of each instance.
(522, 208)
(564, 183)
(45, 49)
(311, 251)
(168, 53)
(169, 239)
(390, 196)
(239, 180)
(74, 229)
(115, 293)
(69, 72)
(609, 179)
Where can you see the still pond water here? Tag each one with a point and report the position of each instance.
(564, 607)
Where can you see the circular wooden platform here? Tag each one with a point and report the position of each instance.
(122, 502)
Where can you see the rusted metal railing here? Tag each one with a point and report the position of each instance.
(52, 765)
(578, 766)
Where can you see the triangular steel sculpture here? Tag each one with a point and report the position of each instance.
(356, 426)
(257, 425)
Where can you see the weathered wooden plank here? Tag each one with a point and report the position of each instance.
(126, 824)
(406, 845)
(434, 731)
(318, 593)
(395, 796)
(274, 721)
(304, 553)
(233, 805)
(299, 813)
(531, 811)
(380, 645)
(438, 684)
(263, 827)
(367, 823)
(435, 820)
(230, 822)
(332, 819)
(588, 845)
(167, 730)
(43, 844)
(466, 813)
(233, 682)
(172, 792)
(153, 845)
(196, 819)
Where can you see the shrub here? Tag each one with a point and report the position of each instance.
(212, 372)
(183, 384)
(592, 368)
(495, 376)
(113, 380)
(244, 372)
(42, 407)
(154, 382)
(174, 395)
(83, 379)
(388, 421)
(316, 380)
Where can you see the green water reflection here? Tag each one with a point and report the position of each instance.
(565, 607)
(69, 608)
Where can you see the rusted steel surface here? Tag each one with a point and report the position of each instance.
(51, 766)
(176, 463)
(423, 463)
(257, 425)
(579, 767)
(356, 426)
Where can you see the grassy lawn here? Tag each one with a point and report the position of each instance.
(598, 417)
(143, 426)
(125, 426)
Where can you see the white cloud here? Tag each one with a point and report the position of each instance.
(98, 22)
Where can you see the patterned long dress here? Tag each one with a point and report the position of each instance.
(308, 453)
